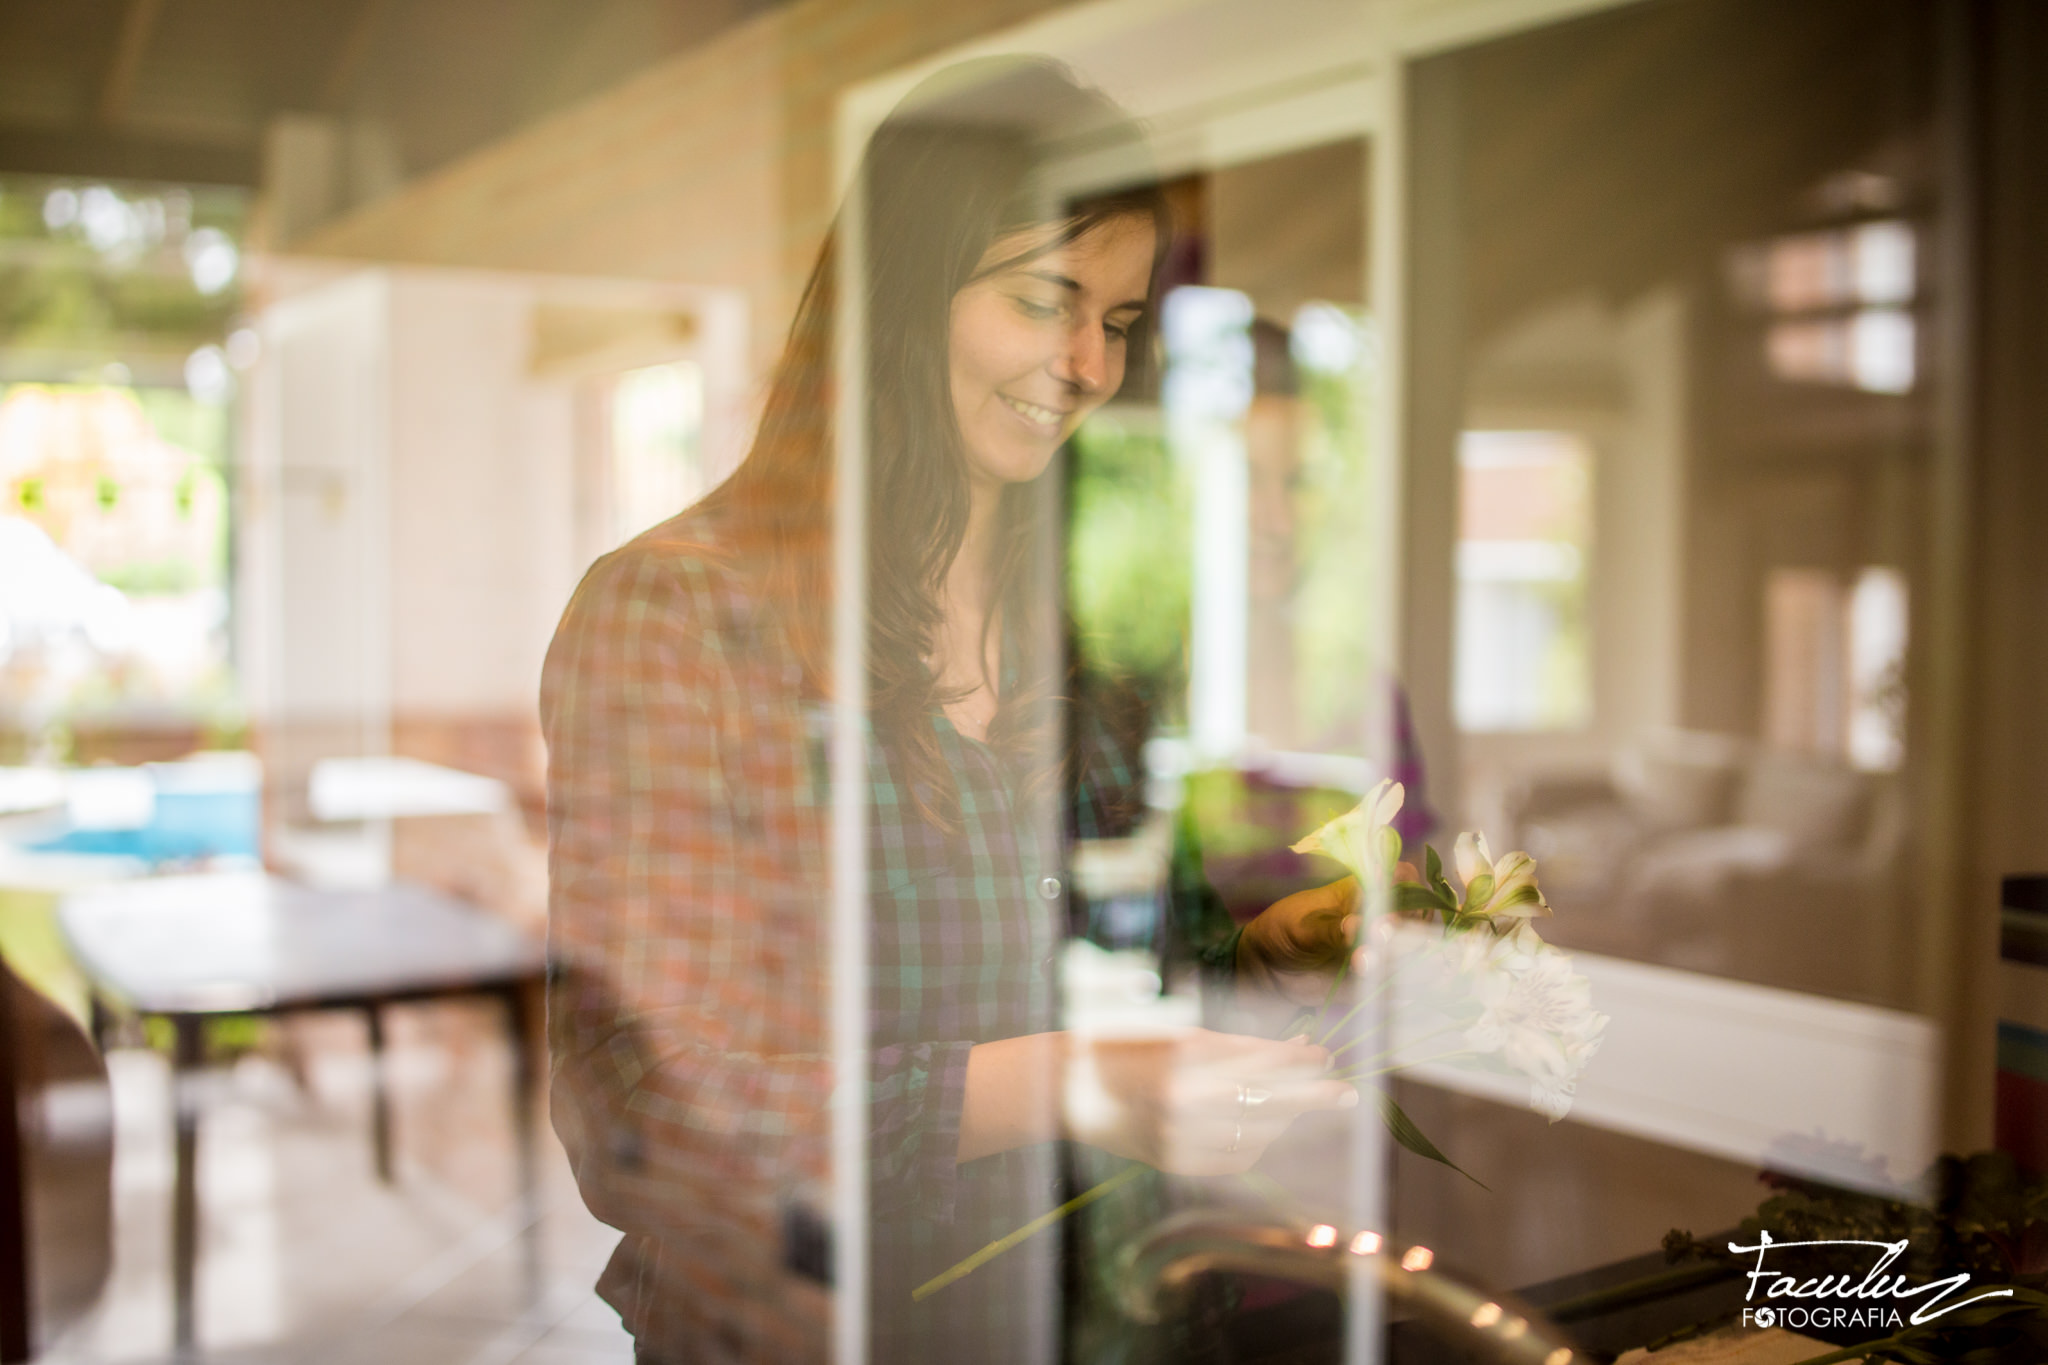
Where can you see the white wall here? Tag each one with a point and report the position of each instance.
(481, 463)
(311, 525)
(409, 532)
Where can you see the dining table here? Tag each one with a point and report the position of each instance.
(190, 949)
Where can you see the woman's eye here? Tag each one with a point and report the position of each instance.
(1032, 308)
(1117, 331)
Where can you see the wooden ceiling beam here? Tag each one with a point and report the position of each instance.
(96, 154)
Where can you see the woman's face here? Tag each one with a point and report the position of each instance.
(1039, 345)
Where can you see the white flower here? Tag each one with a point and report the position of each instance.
(1536, 1016)
(1360, 838)
(1505, 888)
(1508, 1003)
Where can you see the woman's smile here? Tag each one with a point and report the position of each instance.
(1044, 419)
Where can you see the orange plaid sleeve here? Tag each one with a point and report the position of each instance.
(687, 1014)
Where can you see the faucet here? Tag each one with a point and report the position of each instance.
(1159, 1266)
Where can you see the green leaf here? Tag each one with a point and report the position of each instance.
(1480, 890)
(1416, 896)
(1408, 1135)
(1433, 873)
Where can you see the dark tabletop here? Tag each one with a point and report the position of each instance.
(226, 943)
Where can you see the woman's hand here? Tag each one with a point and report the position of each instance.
(1294, 946)
(1194, 1102)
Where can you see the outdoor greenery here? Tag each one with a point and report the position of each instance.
(118, 308)
(1129, 558)
(1130, 553)
(106, 273)
(1334, 597)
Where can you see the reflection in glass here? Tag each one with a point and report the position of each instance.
(1524, 529)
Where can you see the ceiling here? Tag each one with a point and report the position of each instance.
(182, 90)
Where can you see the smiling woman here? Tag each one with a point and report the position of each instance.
(1037, 340)
(1044, 331)
(687, 709)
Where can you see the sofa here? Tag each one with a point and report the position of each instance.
(1716, 854)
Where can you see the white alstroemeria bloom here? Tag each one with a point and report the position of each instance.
(1536, 1017)
(1552, 1093)
(1361, 838)
(1493, 889)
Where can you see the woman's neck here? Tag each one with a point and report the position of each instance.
(968, 581)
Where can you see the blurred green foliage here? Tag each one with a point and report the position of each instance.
(117, 295)
(1130, 556)
(33, 945)
(1334, 595)
(1129, 559)
(1237, 816)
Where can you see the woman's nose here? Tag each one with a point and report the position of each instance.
(1085, 362)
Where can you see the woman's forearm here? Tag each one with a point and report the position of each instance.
(1013, 1094)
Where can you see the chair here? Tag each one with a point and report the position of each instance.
(56, 1169)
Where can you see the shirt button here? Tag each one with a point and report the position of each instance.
(1049, 888)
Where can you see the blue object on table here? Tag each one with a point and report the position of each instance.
(204, 808)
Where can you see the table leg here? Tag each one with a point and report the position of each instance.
(518, 1018)
(380, 1096)
(185, 1059)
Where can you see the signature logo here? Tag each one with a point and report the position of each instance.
(1841, 1300)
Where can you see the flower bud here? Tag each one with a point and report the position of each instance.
(1362, 838)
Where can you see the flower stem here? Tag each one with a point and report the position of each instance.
(1363, 1001)
(1315, 1025)
(1036, 1225)
(1448, 1028)
(1262, 1183)
(1358, 1074)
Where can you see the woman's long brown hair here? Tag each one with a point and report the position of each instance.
(958, 166)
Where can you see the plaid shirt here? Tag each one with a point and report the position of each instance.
(687, 806)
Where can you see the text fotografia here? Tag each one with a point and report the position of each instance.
(1801, 1319)
(1872, 1301)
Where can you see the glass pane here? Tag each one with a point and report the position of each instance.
(1679, 376)
(1218, 680)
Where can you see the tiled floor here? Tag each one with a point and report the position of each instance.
(307, 1258)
